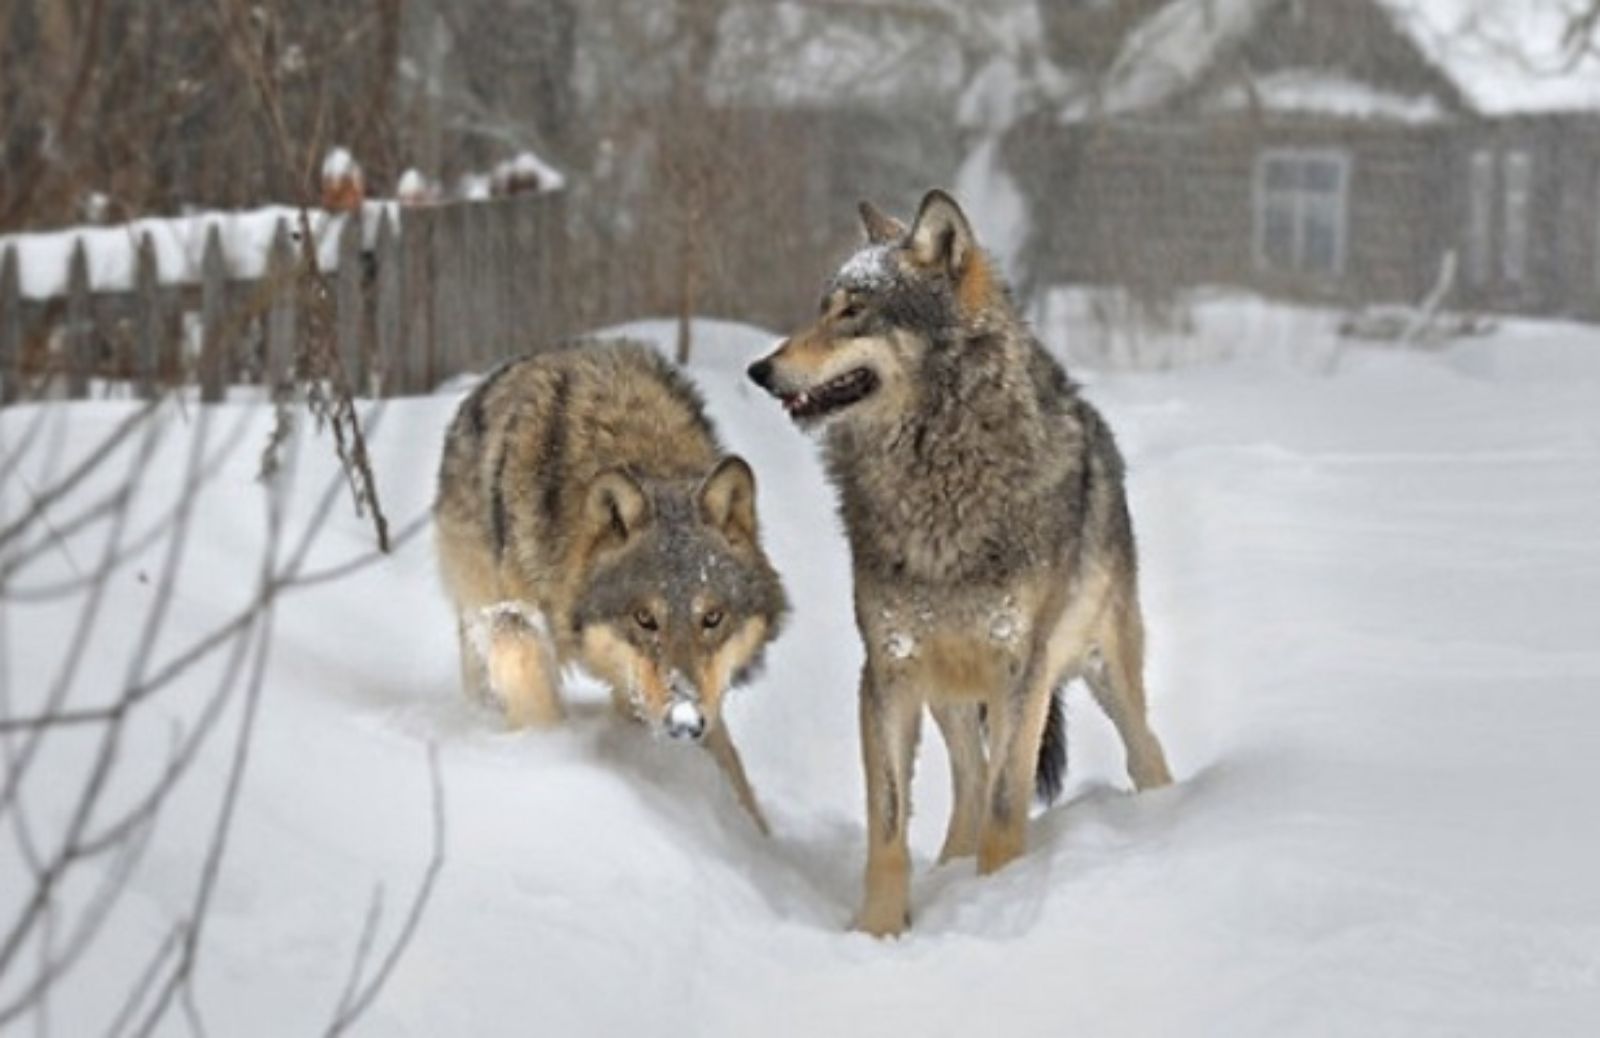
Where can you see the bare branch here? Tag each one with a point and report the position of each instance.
(356, 1001)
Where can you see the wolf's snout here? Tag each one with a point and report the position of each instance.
(761, 374)
(685, 721)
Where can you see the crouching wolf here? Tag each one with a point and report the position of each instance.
(993, 553)
(586, 514)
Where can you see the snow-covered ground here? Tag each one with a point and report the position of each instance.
(1373, 591)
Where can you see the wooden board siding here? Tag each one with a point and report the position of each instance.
(1577, 246)
(1564, 218)
(785, 216)
(1175, 204)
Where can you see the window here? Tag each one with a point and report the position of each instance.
(1480, 218)
(1300, 211)
(1518, 174)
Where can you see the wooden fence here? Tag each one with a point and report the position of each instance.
(435, 291)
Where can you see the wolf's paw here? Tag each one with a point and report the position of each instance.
(1150, 774)
(882, 921)
(997, 851)
(955, 850)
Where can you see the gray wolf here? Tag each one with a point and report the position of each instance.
(587, 514)
(992, 549)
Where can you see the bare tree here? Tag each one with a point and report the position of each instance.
(151, 106)
(1581, 37)
(76, 865)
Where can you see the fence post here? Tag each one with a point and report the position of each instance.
(416, 248)
(553, 319)
(500, 333)
(152, 346)
(528, 308)
(387, 342)
(282, 267)
(215, 373)
(10, 327)
(348, 296)
(445, 359)
(80, 331)
(477, 262)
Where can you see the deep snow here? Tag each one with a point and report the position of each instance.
(1373, 592)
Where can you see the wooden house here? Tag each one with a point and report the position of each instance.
(1336, 149)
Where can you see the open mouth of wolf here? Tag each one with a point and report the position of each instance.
(833, 395)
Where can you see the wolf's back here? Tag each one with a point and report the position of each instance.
(528, 440)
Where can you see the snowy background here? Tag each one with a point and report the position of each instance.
(1373, 598)
(1370, 569)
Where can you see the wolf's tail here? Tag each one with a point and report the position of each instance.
(1051, 771)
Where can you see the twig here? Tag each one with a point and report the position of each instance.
(356, 1002)
(89, 464)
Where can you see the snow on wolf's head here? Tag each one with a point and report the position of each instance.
(676, 601)
(907, 295)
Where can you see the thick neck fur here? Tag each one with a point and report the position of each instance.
(957, 487)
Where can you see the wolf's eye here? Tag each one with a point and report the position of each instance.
(644, 619)
(711, 619)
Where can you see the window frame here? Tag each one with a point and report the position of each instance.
(1516, 199)
(1483, 187)
(1302, 202)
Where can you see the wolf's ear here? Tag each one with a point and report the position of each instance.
(881, 228)
(941, 236)
(616, 506)
(727, 499)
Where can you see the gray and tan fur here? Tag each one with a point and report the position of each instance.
(993, 553)
(587, 514)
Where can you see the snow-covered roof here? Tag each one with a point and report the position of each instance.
(1325, 93)
(1507, 56)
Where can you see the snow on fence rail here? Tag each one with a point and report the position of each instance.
(417, 294)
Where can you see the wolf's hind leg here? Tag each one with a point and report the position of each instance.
(963, 737)
(1117, 681)
(720, 745)
(521, 667)
(890, 718)
(1016, 726)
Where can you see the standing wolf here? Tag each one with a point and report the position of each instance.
(587, 514)
(993, 553)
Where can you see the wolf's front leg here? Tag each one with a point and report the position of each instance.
(720, 745)
(520, 665)
(890, 718)
(963, 738)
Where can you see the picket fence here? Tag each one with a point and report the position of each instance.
(436, 291)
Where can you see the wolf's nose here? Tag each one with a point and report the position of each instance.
(685, 721)
(761, 373)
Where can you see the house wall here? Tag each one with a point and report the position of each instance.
(782, 230)
(1174, 204)
(1564, 225)
(773, 197)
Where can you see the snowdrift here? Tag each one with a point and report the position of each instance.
(1373, 600)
